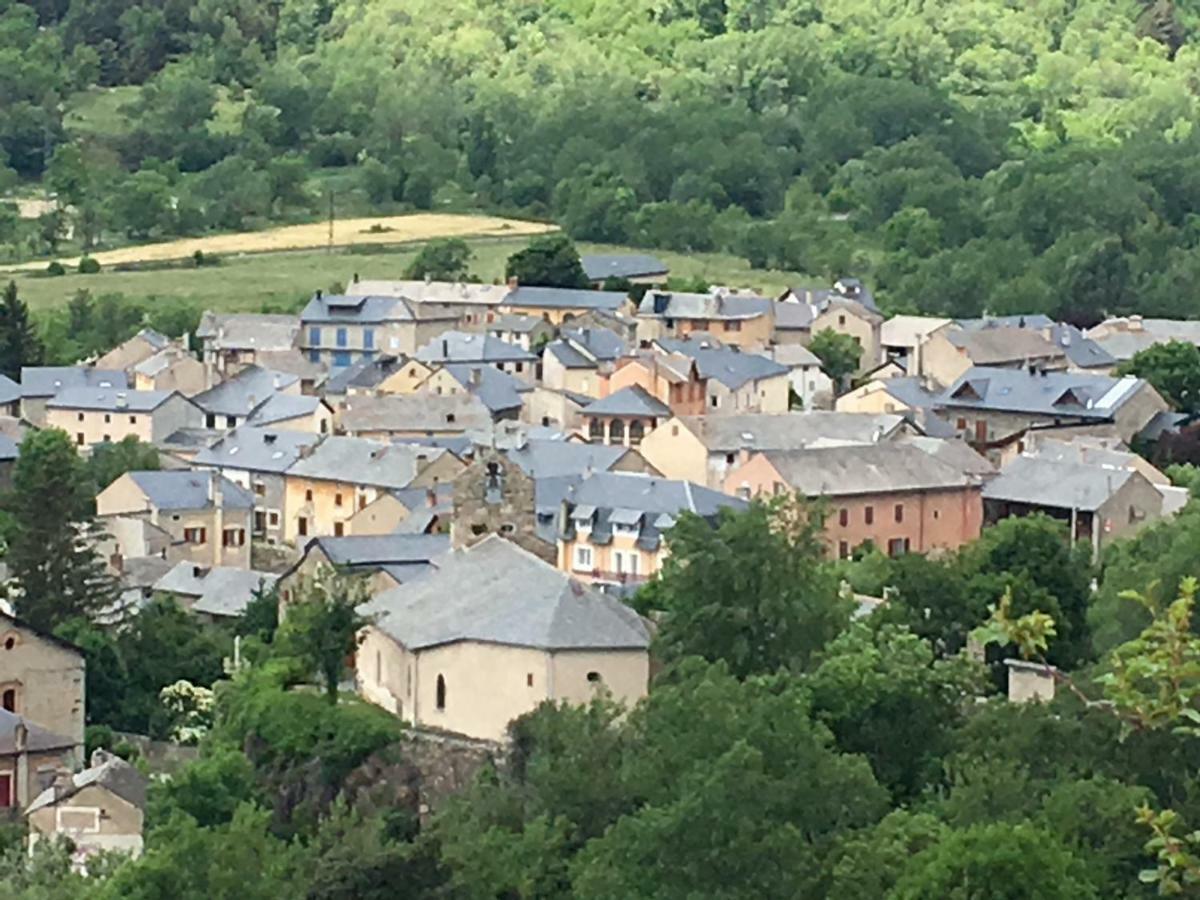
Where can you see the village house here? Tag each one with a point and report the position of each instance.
(10, 452)
(575, 361)
(952, 351)
(992, 407)
(383, 374)
(902, 337)
(127, 354)
(611, 524)
(742, 320)
(1098, 501)
(412, 416)
(526, 332)
(473, 305)
(624, 418)
(40, 384)
(292, 412)
(806, 379)
(489, 636)
(895, 495)
(735, 381)
(10, 397)
(416, 510)
(94, 416)
(671, 378)
(207, 516)
(231, 341)
(100, 809)
(910, 396)
(636, 268)
(341, 475)
(703, 449)
(1123, 337)
(341, 330)
(171, 369)
(230, 403)
(847, 308)
(503, 395)
(42, 679)
(386, 561)
(479, 349)
(256, 460)
(558, 306)
(31, 758)
(213, 593)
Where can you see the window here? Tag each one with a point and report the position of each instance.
(441, 693)
(937, 513)
(133, 420)
(528, 679)
(260, 521)
(80, 417)
(733, 326)
(314, 337)
(340, 337)
(843, 550)
(729, 459)
(337, 499)
(869, 515)
(616, 432)
(108, 439)
(231, 421)
(368, 338)
(107, 418)
(899, 512)
(8, 700)
(6, 790)
(79, 438)
(273, 519)
(714, 401)
(961, 425)
(843, 517)
(631, 560)
(841, 320)
(210, 421)
(259, 488)
(339, 529)
(520, 367)
(583, 559)
(594, 678)
(341, 358)
(897, 546)
(195, 535)
(233, 537)
(308, 496)
(674, 431)
(302, 526)
(10, 641)
(314, 356)
(636, 432)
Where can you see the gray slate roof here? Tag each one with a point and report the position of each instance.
(649, 494)
(715, 305)
(1073, 394)
(629, 401)
(248, 331)
(422, 411)
(1080, 350)
(109, 400)
(788, 431)
(497, 593)
(256, 449)
(997, 344)
(598, 266)
(367, 310)
(459, 346)
(359, 461)
(498, 391)
(565, 298)
(602, 343)
(46, 381)
(547, 459)
(38, 738)
(218, 591)
(245, 392)
(107, 771)
(366, 373)
(10, 391)
(1040, 481)
(1033, 322)
(9, 449)
(864, 469)
(953, 452)
(911, 391)
(375, 550)
(518, 324)
(281, 407)
(183, 489)
(730, 367)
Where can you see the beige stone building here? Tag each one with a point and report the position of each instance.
(100, 809)
(128, 354)
(739, 320)
(207, 516)
(385, 561)
(31, 758)
(42, 679)
(492, 634)
(579, 358)
(93, 416)
(231, 341)
(171, 369)
(952, 351)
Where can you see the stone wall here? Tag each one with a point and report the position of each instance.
(494, 496)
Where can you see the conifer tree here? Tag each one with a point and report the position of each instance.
(19, 341)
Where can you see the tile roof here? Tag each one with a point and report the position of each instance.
(46, 381)
(864, 469)
(1062, 484)
(598, 266)
(495, 592)
(184, 489)
(357, 461)
(218, 591)
(788, 431)
(1074, 394)
(109, 399)
(459, 346)
(244, 392)
(629, 401)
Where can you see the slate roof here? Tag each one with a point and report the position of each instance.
(547, 459)
(909, 331)
(794, 355)
(109, 400)
(496, 390)
(1080, 350)
(910, 390)
(953, 452)
(248, 331)
(565, 298)
(459, 346)
(357, 461)
(997, 344)
(10, 391)
(244, 392)
(46, 381)
(517, 324)
(365, 373)
(374, 550)
(598, 266)
(328, 309)
(1123, 342)
(794, 316)
(256, 449)
(431, 292)
(219, 591)
(1039, 481)
(864, 469)
(9, 449)
(422, 411)
(497, 593)
(602, 343)
(160, 361)
(715, 305)
(787, 431)
(38, 738)
(107, 771)
(1074, 394)
(282, 407)
(184, 489)
(730, 367)
(629, 401)
(1032, 322)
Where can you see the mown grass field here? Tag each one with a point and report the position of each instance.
(285, 280)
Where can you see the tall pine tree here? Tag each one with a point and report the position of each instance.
(19, 341)
(52, 548)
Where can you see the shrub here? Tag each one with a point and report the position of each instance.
(55, 269)
(88, 266)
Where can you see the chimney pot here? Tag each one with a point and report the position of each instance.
(512, 282)
(318, 295)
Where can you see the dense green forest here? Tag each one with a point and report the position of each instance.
(966, 156)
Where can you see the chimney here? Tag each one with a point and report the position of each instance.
(428, 278)
(318, 294)
(431, 498)
(277, 380)
(474, 378)
(197, 572)
(1135, 323)
(305, 451)
(356, 278)
(445, 349)
(512, 282)
(21, 737)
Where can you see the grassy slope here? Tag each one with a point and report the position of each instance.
(280, 279)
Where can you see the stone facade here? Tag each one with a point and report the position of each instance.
(493, 496)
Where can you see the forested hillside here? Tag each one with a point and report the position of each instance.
(967, 156)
